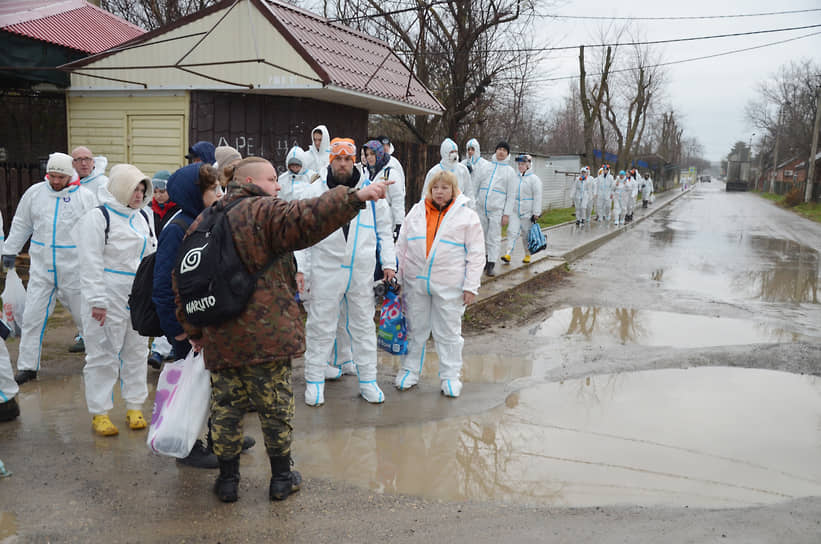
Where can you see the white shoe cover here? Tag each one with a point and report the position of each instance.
(349, 368)
(371, 392)
(315, 393)
(333, 372)
(406, 379)
(451, 388)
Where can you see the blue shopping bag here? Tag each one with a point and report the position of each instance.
(535, 239)
(392, 335)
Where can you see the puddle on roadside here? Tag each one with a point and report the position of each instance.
(654, 328)
(8, 524)
(489, 368)
(709, 437)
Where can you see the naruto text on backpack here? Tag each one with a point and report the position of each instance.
(212, 281)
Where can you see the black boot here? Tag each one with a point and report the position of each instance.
(284, 481)
(25, 376)
(201, 456)
(490, 267)
(248, 442)
(227, 485)
(9, 410)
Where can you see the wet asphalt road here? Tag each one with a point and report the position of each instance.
(613, 418)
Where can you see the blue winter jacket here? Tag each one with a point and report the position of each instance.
(182, 189)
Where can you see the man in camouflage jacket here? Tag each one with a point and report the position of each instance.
(249, 356)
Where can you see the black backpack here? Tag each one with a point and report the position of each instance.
(144, 317)
(213, 283)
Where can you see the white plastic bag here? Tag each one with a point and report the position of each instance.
(14, 302)
(181, 407)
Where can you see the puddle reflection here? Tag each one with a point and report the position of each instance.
(699, 437)
(652, 328)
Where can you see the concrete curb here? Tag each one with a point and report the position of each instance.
(512, 278)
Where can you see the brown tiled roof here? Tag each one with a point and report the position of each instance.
(75, 24)
(352, 60)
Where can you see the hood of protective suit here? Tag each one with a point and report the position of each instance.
(100, 164)
(183, 189)
(325, 146)
(445, 149)
(474, 143)
(124, 180)
(300, 155)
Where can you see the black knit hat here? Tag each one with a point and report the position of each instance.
(504, 145)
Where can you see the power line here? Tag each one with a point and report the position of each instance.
(392, 12)
(682, 61)
(676, 18)
(624, 44)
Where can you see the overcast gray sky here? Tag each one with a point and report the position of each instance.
(709, 94)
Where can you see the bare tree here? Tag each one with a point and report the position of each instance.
(152, 14)
(462, 50)
(592, 99)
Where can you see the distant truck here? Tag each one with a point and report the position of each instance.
(738, 174)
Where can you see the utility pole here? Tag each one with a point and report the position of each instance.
(814, 148)
(775, 151)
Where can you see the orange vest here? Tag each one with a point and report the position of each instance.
(433, 218)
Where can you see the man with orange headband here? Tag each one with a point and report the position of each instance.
(335, 279)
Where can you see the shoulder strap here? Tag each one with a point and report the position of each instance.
(147, 222)
(107, 217)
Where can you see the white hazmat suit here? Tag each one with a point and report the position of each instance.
(48, 217)
(527, 203)
(338, 275)
(478, 167)
(621, 194)
(292, 185)
(396, 192)
(647, 190)
(604, 196)
(449, 163)
(495, 199)
(582, 195)
(97, 179)
(8, 387)
(319, 159)
(114, 349)
(433, 283)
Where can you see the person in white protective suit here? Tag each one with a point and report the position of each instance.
(319, 151)
(335, 278)
(621, 194)
(9, 409)
(582, 194)
(377, 167)
(47, 213)
(441, 250)
(633, 181)
(396, 191)
(604, 193)
(478, 167)
(114, 350)
(449, 152)
(297, 176)
(494, 203)
(527, 207)
(646, 191)
(90, 169)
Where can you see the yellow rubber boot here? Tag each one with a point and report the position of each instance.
(506, 259)
(135, 420)
(102, 425)
(526, 260)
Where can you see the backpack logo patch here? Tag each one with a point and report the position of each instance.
(191, 261)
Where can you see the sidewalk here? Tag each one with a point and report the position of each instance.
(565, 243)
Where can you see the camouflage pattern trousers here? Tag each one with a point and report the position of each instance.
(266, 387)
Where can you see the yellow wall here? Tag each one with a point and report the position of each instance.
(150, 132)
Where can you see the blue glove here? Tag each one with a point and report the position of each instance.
(8, 261)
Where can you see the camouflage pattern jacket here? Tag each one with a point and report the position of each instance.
(263, 228)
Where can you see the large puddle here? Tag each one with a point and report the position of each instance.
(711, 437)
(654, 328)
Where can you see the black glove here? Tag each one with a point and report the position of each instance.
(396, 230)
(470, 168)
(8, 261)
